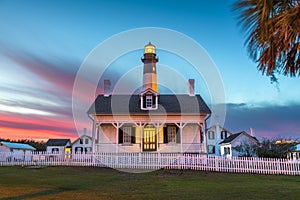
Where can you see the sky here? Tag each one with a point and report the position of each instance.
(44, 43)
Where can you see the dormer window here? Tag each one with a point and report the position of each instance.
(149, 101)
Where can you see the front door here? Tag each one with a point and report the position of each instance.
(149, 139)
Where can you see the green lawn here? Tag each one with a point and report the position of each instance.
(103, 183)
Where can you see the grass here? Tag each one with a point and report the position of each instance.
(103, 183)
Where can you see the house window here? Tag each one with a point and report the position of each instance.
(87, 149)
(78, 150)
(211, 135)
(211, 149)
(126, 134)
(148, 101)
(226, 150)
(86, 141)
(171, 134)
(80, 141)
(223, 134)
(55, 150)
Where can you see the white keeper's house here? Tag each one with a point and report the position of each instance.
(149, 121)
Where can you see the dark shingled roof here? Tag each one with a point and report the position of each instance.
(58, 142)
(130, 104)
(233, 136)
(230, 138)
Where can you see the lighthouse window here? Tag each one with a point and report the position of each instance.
(148, 101)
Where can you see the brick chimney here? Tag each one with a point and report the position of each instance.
(191, 87)
(252, 132)
(106, 88)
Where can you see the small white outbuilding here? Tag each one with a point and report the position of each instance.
(11, 151)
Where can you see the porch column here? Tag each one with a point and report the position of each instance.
(181, 125)
(95, 135)
(158, 126)
(202, 130)
(117, 126)
(140, 125)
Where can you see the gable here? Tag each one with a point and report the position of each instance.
(83, 137)
(239, 137)
(243, 139)
(148, 91)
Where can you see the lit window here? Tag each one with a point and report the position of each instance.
(148, 101)
(171, 134)
(126, 134)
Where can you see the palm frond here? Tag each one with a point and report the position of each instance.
(272, 28)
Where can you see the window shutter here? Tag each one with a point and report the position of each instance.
(144, 101)
(201, 136)
(222, 135)
(120, 136)
(177, 135)
(165, 134)
(133, 135)
(153, 101)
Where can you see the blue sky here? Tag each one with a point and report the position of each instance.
(43, 43)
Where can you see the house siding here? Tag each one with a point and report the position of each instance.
(217, 130)
(19, 154)
(107, 134)
(242, 138)
(4, 148)
(152, 118)
(77, 144)
(61, 149)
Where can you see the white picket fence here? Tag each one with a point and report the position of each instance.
(155, 161)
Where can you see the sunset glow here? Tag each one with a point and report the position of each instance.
(44, 43)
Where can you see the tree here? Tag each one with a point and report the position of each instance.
(269, 149)
(273, 40)
(246, 149)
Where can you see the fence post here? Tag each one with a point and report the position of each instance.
(216, 163)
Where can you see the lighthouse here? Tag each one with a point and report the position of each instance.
(149, 73)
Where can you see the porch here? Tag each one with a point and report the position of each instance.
(137, 137)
